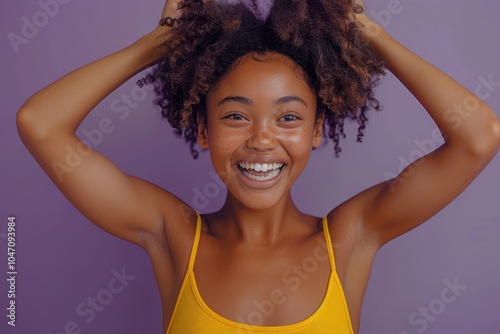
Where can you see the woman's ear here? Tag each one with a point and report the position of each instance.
(318, 131)
(202, 133)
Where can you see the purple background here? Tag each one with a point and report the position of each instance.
(62, 259)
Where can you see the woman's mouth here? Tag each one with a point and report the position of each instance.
(260, 171)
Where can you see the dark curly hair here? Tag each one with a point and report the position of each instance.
(319, 35)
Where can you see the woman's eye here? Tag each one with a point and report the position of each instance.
(289, 118)
(234, 117)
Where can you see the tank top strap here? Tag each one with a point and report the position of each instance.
(328, 241)
(196, 241)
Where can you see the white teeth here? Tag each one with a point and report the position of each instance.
(272, 169)
(270, 176)
(258, 167)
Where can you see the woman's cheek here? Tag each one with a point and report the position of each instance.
(225, 139)
(297, 137)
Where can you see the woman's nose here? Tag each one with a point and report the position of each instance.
(262, 138)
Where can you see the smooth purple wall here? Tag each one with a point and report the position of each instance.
(62, 259)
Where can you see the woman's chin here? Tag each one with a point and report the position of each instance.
(259, 201)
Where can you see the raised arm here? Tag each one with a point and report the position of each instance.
(125, 206)
(472, 138)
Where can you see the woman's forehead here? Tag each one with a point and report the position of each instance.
(253, 69)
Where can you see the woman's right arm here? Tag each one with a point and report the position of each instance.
(123, 205)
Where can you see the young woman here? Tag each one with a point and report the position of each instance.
(260, 92)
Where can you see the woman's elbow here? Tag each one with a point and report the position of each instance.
(488, 142)
(28, 127)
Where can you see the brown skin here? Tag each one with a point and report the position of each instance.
(250, 120)
(258, 233)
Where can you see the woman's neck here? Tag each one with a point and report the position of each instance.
(259, 228)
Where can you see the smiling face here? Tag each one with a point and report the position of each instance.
(260, 129)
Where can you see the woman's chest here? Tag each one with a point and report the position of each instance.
(265, 288)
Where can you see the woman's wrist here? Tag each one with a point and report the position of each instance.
(151, 47)
(370, 29)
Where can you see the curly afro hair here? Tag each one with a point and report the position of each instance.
(318, 35)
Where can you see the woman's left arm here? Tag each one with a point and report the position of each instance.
(472, 138)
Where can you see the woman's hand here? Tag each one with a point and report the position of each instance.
(171, 9)
(154, 40)
(359, 10)
(369, 27)
(359, 3)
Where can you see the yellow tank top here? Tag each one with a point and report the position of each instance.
(192, 316)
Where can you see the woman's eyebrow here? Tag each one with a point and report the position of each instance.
(244, 100)
(238, 99)
(293, 98)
